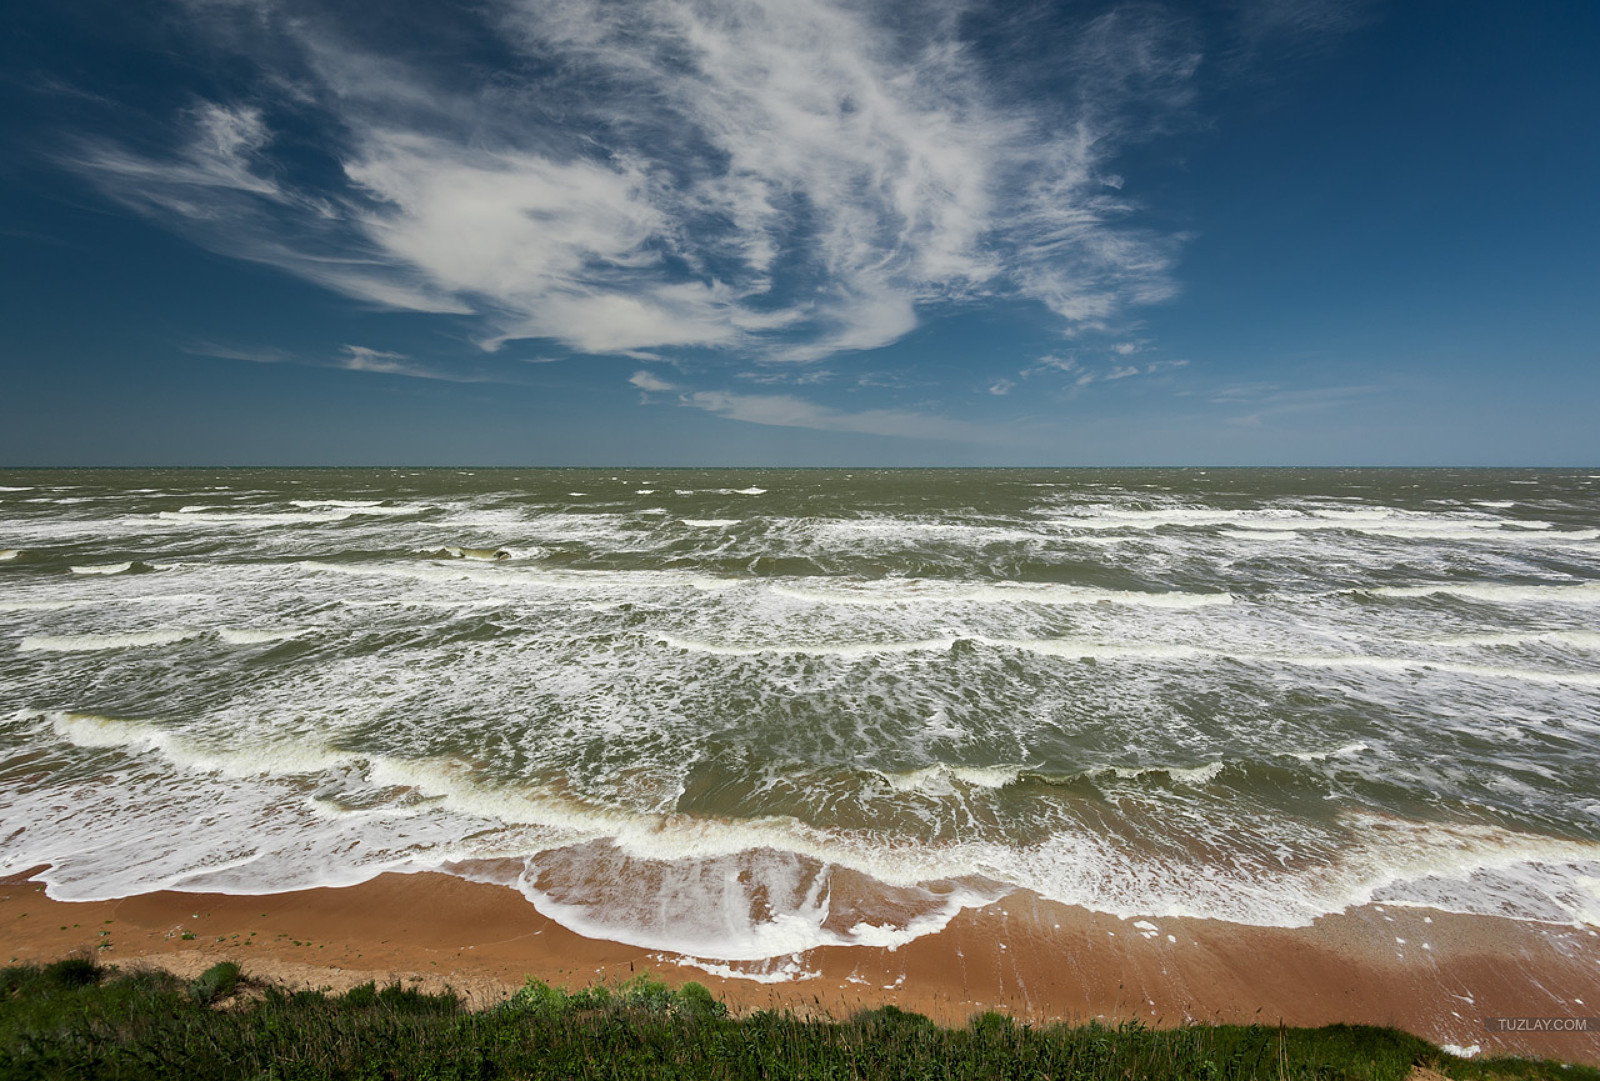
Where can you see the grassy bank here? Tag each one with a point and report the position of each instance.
(74, 1019)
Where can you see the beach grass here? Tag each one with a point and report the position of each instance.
(77, 1019)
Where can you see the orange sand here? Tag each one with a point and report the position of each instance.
(1429, 972)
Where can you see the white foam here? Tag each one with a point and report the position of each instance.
(1412, 664)
(749, 906)
(808, 649)
(82, 643)
(1499, 593)
(246, 518)
(245, 636)
(885, 592)
(105, 568)
(275, 758)
(1081, 649)
(362, 503)
(8, 554)
(712, 523)
(788, 970)
(731, 938)
(81, 602)
(708, 910)
(1281, 525)
(749, 491)
(1578, 639)
(1339, 752)
(484, 555)
(1384, 859)
(15, 488)
(939, 779)
(315, 512)
(1089, 649)
(625, 585)
(892, 937)
(1192, 775)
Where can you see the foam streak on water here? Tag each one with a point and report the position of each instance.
(740, 714)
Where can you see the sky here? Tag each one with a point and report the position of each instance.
(800, 232)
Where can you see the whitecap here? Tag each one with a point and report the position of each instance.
(1497, 592)
(352, 503)
(282, 757)
(939, 779)
(84, 643)
(808, 649)
(898, 591)
(245, 636)
(1338, 752)
(1189, 775)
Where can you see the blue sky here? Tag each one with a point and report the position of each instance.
(684, 232)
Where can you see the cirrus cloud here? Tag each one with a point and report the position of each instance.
(777, 180)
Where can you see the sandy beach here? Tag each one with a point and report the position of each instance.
(1433, 973)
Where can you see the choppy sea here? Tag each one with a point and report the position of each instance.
(738, 714)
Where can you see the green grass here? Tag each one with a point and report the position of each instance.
(75, 1019)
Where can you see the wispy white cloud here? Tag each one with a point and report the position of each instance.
(358, 358)
(776, 179)
(787, 411)
(1084, 374)
(1052, 362)
(789, 374)
(217, 188)
(650, 383)
(233, 352)
(1292, 27)
(354, 358)
(1262, 400)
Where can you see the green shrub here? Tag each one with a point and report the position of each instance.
(215, 983)
(73, 972)
(362, 995)
(694, 1000)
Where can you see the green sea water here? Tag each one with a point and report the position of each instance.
(735, 714)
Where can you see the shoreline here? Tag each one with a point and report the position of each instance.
(1432, 973)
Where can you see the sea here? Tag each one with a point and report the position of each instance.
(734, 715)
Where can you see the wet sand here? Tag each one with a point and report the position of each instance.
(1432, 973)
